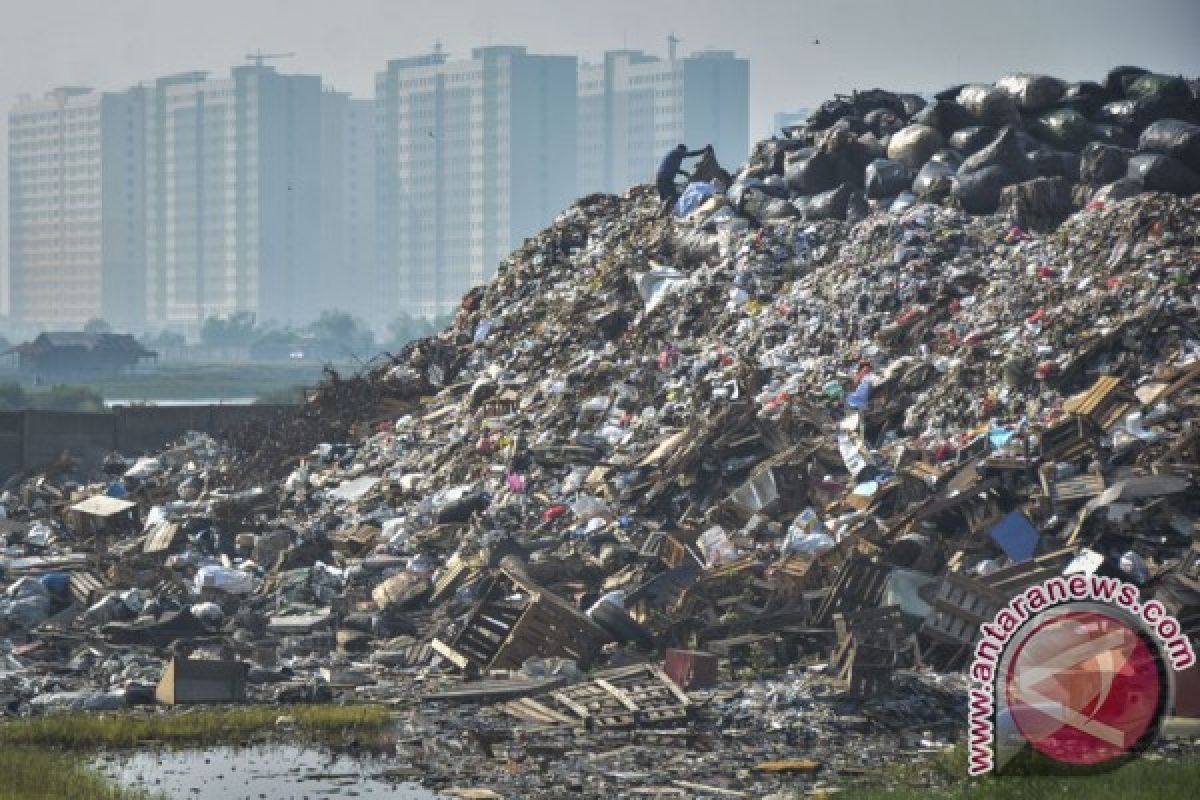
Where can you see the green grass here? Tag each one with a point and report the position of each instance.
(944, 777)
(29, 773)
(201, 727)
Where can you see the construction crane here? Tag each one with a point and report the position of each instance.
(259, 57)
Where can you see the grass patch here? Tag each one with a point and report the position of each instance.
(210, 726)
(29, 773)
(1155, 779)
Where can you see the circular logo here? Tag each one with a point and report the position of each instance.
(1085, 687)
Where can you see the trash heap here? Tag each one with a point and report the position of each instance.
(1032, 145)
(744, 478)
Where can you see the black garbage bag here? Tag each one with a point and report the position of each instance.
(828, 113)
(461, 509)
(1086, 97)
(945, 116)
(871, 99)
(1107, 133)
(1132, 115)
(1004, 151)
(829, 205)
(989, 105)
(1119, 78)
(882, 121)
(912, 104)
(971, 140)
(1064, 128)
(1174, 138)
(887, 178)
(1032, 92)
(978, 192)
(1157, 89)
(1103, 163)
(771, 154)
(1159, 173)
(810, 171)
(1056, 164)
(932, 171)
(949, 157)
(1121, 189)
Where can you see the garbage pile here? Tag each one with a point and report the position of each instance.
(744, 478)
(1030, 143)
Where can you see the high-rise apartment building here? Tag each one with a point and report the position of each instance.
(635, 107)
(233, 179)
(474, 155)
(75, 209)
(350, 280)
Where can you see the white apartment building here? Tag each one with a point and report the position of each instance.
(474, 155)
(635, 107)
(350, 280)
(75, 212)
(233, 179)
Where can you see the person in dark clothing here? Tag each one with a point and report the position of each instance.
(672, 165)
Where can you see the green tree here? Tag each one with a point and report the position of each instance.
(12, 397)
(340, 332)
(95, 325)
(236, 329)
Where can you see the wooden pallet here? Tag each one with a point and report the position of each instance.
(1106, 403)
(859, 585)
(516, 620)
(637, 696)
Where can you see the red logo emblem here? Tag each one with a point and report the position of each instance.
(1085, 688)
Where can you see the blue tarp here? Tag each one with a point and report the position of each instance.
(693, 197)
(860, 398)
(1016, 536)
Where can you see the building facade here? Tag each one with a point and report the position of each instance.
(75, 163)
(233, 197)
(474, 155)
(635, 107)
(349, 279)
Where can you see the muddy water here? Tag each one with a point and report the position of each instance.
(258, 773)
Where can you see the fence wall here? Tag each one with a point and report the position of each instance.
(31, 439)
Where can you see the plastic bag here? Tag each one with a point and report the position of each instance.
(224, 579)
(1175, 138)
(807, 535)
(979, 192)
(693, 197)
(1004, 151)
(810, 171)
(931, 172)
(1032, 92)
(973, 139)
(1159, 173)
(988, 105)
(828, 205)
(1103, 163)
(657, 284)
(209, 614)
(914, 145)
(1065, 128)
(716, 547)
(887, 178)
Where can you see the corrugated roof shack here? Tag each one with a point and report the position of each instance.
(80, 355)
(201, 682)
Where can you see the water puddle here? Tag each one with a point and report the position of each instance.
(269, 772)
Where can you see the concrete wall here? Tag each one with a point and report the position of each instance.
(30, 439)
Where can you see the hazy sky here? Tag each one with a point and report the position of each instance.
(896, 44)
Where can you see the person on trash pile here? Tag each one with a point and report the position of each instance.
(672, 165)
